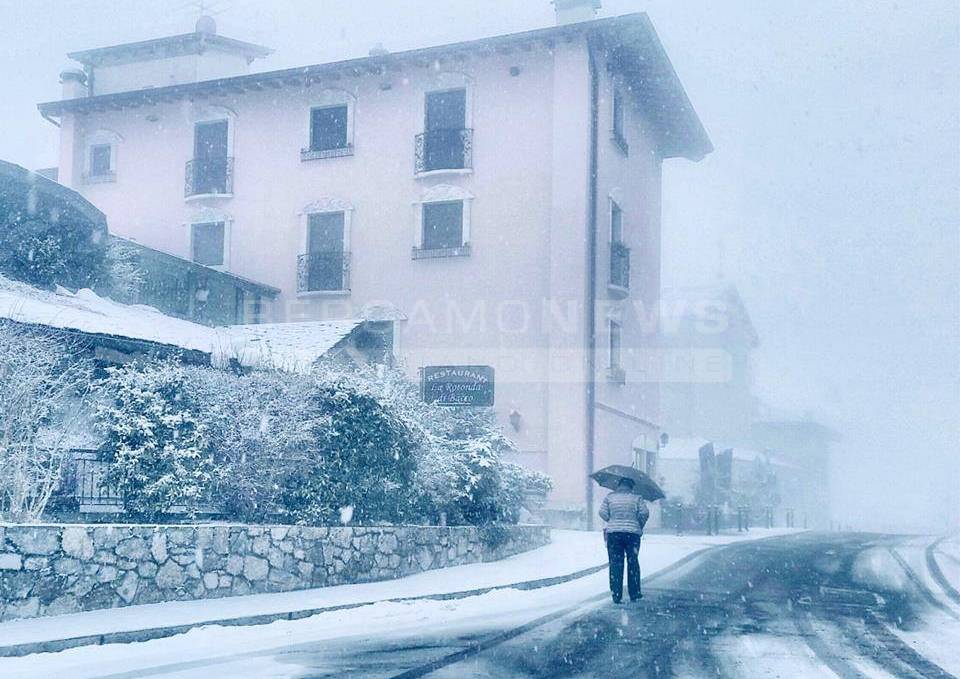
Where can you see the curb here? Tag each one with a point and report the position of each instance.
(132, 636)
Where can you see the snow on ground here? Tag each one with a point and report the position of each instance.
(938, 632)
(570, 551)
(768, 656)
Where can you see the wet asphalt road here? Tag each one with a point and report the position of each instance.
(787, 606)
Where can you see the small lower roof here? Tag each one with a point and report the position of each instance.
(293, 347)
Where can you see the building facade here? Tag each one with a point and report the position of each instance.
(495, 202)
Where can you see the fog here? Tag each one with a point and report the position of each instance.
(831, 199)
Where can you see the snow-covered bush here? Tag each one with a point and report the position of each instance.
(362, 456)
(461, 472)
(256, 429)
(155, 440)
(43, 384)
(271, 446)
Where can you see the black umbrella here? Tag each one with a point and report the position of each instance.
(643, 485)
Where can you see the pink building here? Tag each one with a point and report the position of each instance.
(490, 203)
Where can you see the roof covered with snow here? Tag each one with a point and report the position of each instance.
(631, 40)
(285, 346)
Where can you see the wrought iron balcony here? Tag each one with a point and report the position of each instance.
(209, 176)
(443, 150)
(323, 272)
(619, 265)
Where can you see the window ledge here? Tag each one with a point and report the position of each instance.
(436, 173)
(100, 178)
(617, 375)
(620, 142)
(617, 291)
(321, 154)
(205, 196)
(307, 294)
(434, 253)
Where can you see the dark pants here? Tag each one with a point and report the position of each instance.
(621, 545)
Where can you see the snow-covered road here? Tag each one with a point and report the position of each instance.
(795, 606)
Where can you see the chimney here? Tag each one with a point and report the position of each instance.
(74, 83)
(575, 11)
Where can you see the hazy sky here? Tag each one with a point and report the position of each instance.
(831, 200)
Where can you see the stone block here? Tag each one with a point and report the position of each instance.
(234, 564)
(128, 587)
(11, 562)
(147, 569)
(66, 566)
(158, 548)
(255, 568)
(22, 608)
(34, 539)
(211, 580)
(134, 549)
(77, 543)
(170, 576)
(261, 545)
(107, 574)
(62, 605)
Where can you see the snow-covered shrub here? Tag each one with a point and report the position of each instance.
(361, 455)
(155, 440)
(461, 472)
(43, 384)
(257, 428)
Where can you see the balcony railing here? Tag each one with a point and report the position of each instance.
(443, 150)
(323, 272)
(209, 176)
(619, 265)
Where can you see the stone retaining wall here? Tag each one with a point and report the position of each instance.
(54, 569)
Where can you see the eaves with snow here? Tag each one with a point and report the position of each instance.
(291, 347)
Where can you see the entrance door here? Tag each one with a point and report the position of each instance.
(210, 157)
(326, 258)
(446, 118)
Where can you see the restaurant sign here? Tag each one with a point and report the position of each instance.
(457, 385)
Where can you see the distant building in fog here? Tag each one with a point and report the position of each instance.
(492, 203)
(707, 396)
(708, 342)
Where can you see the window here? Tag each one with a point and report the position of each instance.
(207, 243)
(443, 225)
(100, 156)
(211, 170)
(616, 223)
(619, 253)
(325, 266)
(615, 330)
(445, 143)
(615, 372)
(619, 113)
(328, 128)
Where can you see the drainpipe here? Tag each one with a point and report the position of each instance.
(591, 296)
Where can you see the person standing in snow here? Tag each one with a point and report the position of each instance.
(625, 514)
